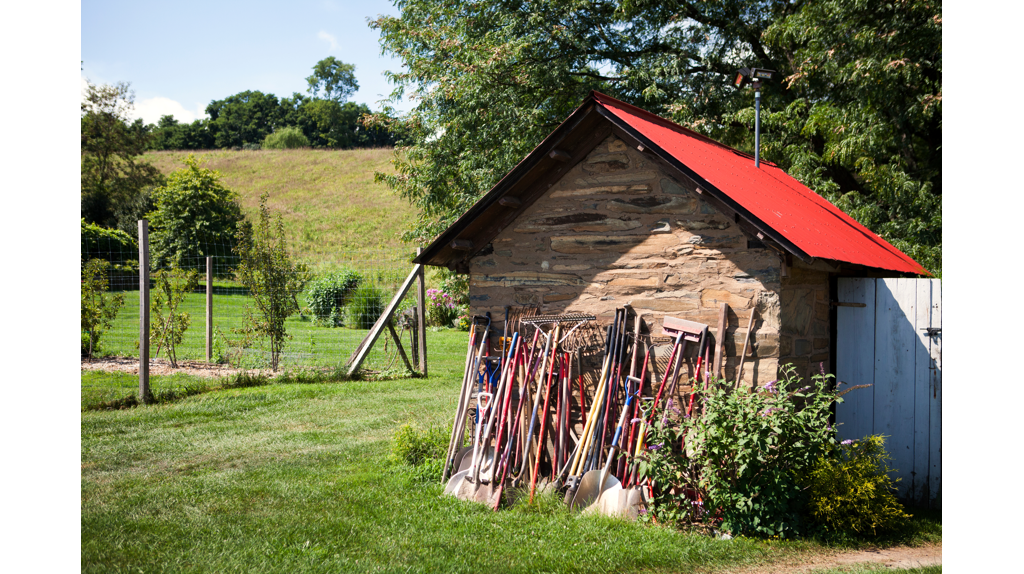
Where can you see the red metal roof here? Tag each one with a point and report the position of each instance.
(803, 217)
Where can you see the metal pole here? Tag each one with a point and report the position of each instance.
(209, 308)
(144, 394)
(757, 128)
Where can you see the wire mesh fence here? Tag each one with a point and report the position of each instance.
(343, 294)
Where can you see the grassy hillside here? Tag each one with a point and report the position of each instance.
(328, 199)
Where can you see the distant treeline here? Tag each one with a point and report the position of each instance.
(244, 120)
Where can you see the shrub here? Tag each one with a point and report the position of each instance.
(327, 296)
(289, 137)
(168, 330)
(111, 245)
(852, 493)
(442, 308)
(365, 306)
(744, 457)
(98, 307)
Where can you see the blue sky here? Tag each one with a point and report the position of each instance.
(179, 56)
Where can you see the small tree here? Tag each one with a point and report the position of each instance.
(98, 307)
(194, 210)
(272, 279)
(168, 330)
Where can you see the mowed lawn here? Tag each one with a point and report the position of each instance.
(296, 478)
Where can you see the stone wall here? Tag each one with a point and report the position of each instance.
(805, 334)
(618, 229)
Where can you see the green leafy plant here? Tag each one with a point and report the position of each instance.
(851, 492)
(327, 295)
(422, 449)
(290, 137)
(365, 306)
(98, 307)
(194, 212)
(168, 325)
(272, 278)
(739, 462)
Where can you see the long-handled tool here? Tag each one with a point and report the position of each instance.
(596, 484)
(458, 426)
(544, 417)
(587, 437)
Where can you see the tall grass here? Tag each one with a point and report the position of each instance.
(328, 199)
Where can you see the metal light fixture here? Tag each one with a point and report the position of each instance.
(753, 76)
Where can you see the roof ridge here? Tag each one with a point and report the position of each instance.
(599, 97)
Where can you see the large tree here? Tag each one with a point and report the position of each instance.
(333, 79)
(244, 118)
(857, 115)
(114, 181)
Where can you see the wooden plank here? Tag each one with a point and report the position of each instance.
(421, 317)
(723, 324)
(398, 343)
(209, 309)
(855, 357)
(935, 395)
(895, 343)
(922, 413)
(357, 358)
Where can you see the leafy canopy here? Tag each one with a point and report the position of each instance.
(194, 212)
(333, 79)
(857, 116)
(112, 177)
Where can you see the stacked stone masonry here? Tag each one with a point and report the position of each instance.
(619, 229)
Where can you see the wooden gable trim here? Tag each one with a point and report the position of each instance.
(569, 144)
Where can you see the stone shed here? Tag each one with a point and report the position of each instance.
(618, 205)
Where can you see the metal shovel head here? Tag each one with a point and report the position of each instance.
(590, 488)
(455, 481)
(617, 501)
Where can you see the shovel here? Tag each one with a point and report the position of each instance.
(597, 488)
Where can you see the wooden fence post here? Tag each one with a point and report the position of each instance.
(144, 394)
(421, 319)
(209, 308)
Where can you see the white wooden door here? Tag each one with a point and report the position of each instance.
(894, 343)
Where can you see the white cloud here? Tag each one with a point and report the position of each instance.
(328, 38)
(151, 109)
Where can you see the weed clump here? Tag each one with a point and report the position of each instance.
(423, 450)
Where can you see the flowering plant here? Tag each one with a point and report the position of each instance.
(442, 308)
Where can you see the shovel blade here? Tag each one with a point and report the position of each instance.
(590, 488)
(454, 482)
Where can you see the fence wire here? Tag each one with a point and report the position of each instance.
(324, 342)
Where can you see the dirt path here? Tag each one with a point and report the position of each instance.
(162, 367)
(899, 557)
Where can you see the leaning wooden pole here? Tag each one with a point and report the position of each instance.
(144, 394)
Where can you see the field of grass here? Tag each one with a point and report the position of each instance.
(297, 478)
(327, 198)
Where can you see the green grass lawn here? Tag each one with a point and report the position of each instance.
(311, 345)
(297, 478)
